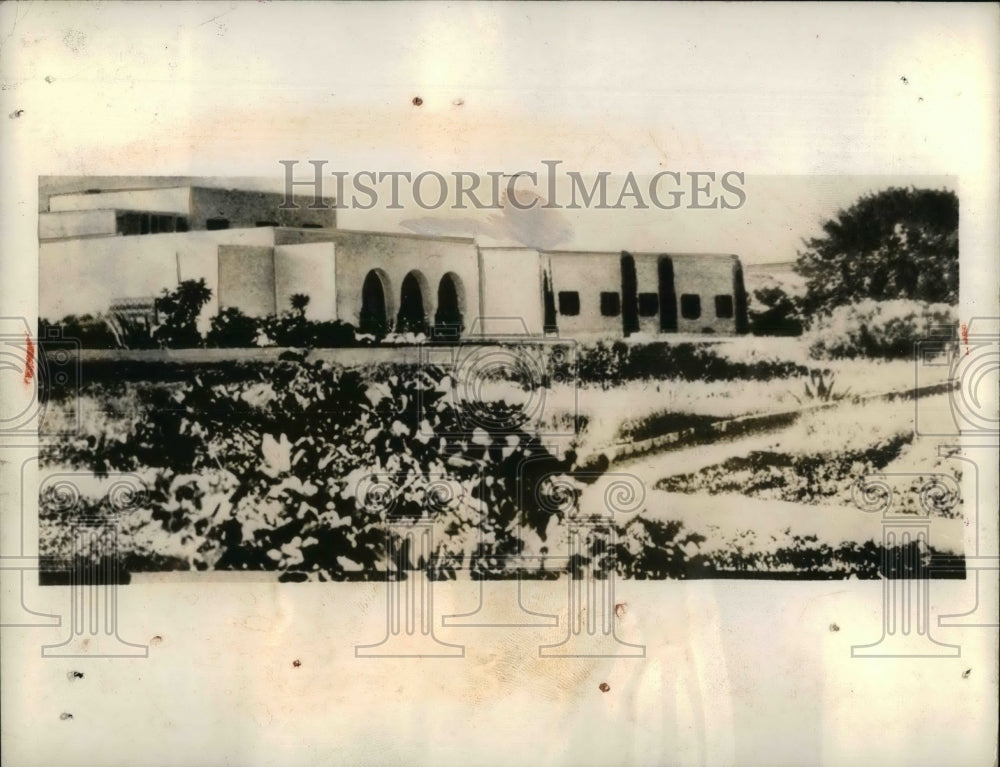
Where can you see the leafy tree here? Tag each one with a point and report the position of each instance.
(897, 243)
(179, 310)
(780, 315)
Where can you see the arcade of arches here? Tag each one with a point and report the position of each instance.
(378, 316)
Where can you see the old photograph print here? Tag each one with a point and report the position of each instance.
(243, 376)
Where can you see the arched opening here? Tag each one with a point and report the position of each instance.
(374, 318)
(449, 319)
(412, 317)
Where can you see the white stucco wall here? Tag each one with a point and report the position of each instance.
(307, 268)
(176, 200)
(706, 276)
(76, 223)
(357, 253)
(512, 293)
(588, 274)
(82, 276)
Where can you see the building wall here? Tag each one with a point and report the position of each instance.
(247, 279)
(512, 291)
(170, 200)
(395, 256)
(76, 223)
(244, 209)
(589, 274)
(256, 266)
(83, 276)
(706, 276)
(308, 268)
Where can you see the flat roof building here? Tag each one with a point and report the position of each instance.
(255, 254)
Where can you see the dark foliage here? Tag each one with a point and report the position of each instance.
(179, 310)
(612, 363)
(898, 243)
(780, 314)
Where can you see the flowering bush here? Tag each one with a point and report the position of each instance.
(880, 329)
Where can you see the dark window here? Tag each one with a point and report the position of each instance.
(569, 303)
(649, 304)
(611, 304)
(267, 223)
(217, 223)
(144, 223)
(690, 306)
(182, 224)
(724, 307)
(312, 226)
(129, 223)
(158, 224)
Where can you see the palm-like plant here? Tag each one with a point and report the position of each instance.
(299, 303)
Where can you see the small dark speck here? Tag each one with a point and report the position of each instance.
(16, 113)
(903, 80)
(74, 675)
(296, 663)
(64, 716)
(49, 79)
(458, 102)
(966, 673)
(417, 101)
(920, 98)
(834, 627)
(620, 609)
(156, 640)
(604, 687)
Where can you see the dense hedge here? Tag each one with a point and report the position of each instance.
(611, 363)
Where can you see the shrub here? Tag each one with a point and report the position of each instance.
(819, 387)
(877, 329)
(231, 328)
(179, 310)
(264, 473)
(130, 332)
(332, 334)
(613, 363)
(293, 329)
(89, 331)
(780, 316)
